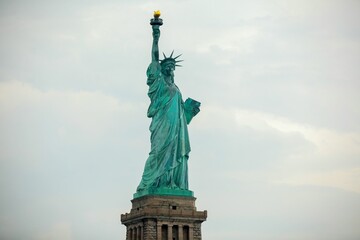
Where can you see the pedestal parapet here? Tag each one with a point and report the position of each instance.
(163, 218)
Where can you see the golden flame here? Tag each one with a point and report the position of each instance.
(157, 13)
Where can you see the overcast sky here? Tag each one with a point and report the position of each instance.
(275, 148)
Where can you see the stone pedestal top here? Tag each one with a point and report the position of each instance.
(163, 207)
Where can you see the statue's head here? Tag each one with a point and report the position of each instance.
(168, 68)
(168, 64)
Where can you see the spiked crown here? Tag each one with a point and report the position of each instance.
(171, 60)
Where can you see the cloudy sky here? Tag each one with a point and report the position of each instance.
(275, 148)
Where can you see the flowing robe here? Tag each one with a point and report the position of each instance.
(166, 166)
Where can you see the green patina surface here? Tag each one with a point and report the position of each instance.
(166, 169)
(164, 192)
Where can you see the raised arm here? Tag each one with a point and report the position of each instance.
(155, 45)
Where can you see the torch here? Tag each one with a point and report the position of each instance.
(156, 20)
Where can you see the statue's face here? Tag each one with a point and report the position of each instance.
(168, 70)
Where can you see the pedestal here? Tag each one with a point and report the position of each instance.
(155, 217)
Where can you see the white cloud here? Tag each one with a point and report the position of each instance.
(327, 141)
(58, 231)
(331, 161)
(348, 179)
(40, 123)
(236, 40)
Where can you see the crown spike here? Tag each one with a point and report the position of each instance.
(171, 54)
(179, 61)
(177, 56)
(178, 65)
(164, 55)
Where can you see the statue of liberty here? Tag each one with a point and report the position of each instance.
(166, 169)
